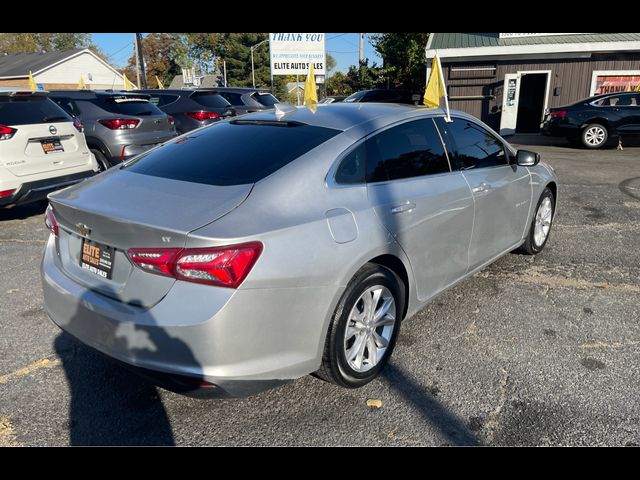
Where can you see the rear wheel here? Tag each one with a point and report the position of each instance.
(364, 328)
(103, 163)
(540, 224)
(594, 135)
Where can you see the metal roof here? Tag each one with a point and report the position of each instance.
(474, 40)
(20, 64)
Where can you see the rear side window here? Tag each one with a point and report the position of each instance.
(412, 149)
(209, 99)
(30, 110)
(233, 98)
(231, 154)
(128, 106)
(475, 146)
(67, 105)
(353, 168)
(265, 99)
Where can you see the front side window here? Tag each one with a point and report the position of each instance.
(412, 149)
(618, 101)
(475, 147)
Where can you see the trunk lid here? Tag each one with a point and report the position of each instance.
(122, 210)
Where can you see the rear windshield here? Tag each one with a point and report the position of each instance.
(231, 154)
(265, 99)
(354, 97)
(128, 106)
(29, 110)
(233, 98)
(209, 99)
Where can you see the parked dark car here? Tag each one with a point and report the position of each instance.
(595, 121)
(381, 95)
(327, 100)
(247, 100)
(191, 108)
(117, 125)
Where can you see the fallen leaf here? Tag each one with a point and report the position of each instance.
(605, 285)
(374, 403)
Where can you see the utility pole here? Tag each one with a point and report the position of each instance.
(142, 76)
(224, 66)
(135, 46)
(361, 53)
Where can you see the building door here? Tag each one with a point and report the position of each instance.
(531, 102)
(510, 97)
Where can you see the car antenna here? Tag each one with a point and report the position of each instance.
(283, 109)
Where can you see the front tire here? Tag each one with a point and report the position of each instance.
(594, 136)
(364, 328)
(540, 227)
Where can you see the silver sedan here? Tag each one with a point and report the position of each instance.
(258, 250)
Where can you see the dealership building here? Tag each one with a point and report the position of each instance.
(508, 80)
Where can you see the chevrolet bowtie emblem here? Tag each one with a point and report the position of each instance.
(83, 229)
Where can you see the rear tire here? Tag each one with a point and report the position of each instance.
(364, 328)
(103, 163)
(540, 227)
(594, 136)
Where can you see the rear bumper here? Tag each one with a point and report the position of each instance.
(559, 130)
(125, 151)
(38, 190)
(241, 341)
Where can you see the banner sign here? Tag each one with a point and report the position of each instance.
(617, 83)
(291, 53)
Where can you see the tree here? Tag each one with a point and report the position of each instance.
(364, 77)
(235, 48)
(160, 52)
(404, 58)
(38, 42)
(339, 84)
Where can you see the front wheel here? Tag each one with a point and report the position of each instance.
(103, 163)
(540, 224)
(364, 328)
(594, 136)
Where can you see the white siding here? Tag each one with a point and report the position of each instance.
(69, 71)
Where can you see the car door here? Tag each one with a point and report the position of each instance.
(627, 108)
(425, 205)
(501, 189)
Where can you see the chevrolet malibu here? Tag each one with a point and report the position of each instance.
(254, 251)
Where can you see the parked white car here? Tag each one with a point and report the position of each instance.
(42, 148)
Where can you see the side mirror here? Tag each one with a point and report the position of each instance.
(526, 158)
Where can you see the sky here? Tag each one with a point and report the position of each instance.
(342, 46)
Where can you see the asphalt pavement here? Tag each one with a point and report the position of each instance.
(537, 350)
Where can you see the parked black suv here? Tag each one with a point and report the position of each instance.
(247, 100)
(117, 125)
(381, 95)
(594, 121)
(191, 108)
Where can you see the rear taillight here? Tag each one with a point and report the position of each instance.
(6, 193)
(50, 221)
(221, 266)
(559, 114)
(202, 116)
(78, 124)
(172, 121)
(120, 123)
(7, 132)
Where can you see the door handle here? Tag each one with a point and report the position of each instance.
(405, 207)
(483, 187)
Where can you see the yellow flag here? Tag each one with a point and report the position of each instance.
(310, 94)
(160, 85)
(80, 83)
(127, 84)
(32, 83)
(435, 88)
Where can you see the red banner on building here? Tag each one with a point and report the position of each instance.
(617, 83)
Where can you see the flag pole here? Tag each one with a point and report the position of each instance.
(446, 96)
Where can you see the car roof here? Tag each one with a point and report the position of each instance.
(79, 94)
(238, 89)
(342, 116)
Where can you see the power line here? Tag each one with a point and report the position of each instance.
(115, 53)
(335, 51)
(336, 36)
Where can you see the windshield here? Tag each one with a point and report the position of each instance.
(354, 97)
